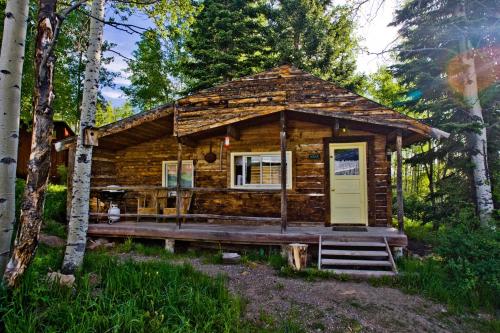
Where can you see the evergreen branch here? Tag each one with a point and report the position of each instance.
(423, 49)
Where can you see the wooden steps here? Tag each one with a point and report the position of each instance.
(357, 258)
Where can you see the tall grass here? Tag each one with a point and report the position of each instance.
(114, 296)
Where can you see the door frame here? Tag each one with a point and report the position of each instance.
(370, 204)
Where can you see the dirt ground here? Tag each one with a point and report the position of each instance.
(331, 305)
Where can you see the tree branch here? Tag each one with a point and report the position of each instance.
(129, 28)
(119, 54)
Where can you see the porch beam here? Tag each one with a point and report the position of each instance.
(399, 180)
(188, 142)
(233, 132)
(178, 186)
(284, 199)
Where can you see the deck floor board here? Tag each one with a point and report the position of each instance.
(242, 234)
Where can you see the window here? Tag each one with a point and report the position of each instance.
(169, 174)
(259, 170)
(346, 162)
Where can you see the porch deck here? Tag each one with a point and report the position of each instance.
(242, 234)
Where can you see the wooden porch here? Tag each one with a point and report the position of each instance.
(243, 234)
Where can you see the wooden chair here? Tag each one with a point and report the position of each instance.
(147, 204)
(186, 199)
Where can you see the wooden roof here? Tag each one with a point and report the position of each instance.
(284, 88)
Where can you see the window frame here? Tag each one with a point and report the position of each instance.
(289, 181)
(164, 169)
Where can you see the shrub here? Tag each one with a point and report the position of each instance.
(472, 263)
(464, 273)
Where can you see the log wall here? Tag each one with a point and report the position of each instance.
(141, 165)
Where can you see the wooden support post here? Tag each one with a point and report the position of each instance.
(399, 180)
(297, 256)
(284, 203)
(336, 127)
(178, 186)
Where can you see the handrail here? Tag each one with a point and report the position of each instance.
(391, 259)
(186, 189)
(193, 216)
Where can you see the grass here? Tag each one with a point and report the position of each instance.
(131, 296)
(418, 231)
(112, 295)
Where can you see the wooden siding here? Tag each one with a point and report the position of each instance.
(61, 131)
(141, 164)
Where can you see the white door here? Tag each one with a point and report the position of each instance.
(348, 190)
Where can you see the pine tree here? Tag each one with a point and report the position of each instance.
(234, 38)
(316, 36)
(448, 52)
(228, 40)
(150, 74)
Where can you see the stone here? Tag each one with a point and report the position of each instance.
(230, 258)
(51, 241)
(397, 252)
(62, 279)
(170, 245)
(100, 242)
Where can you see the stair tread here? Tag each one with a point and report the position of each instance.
(354, 253)
(351, 262)
(359, 244)
(360, 273)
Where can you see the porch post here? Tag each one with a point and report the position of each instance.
(284, 203)
(178, 186)
(399, 180)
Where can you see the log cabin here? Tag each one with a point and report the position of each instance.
(273, 158)
(61, 131)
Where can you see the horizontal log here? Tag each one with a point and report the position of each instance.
(195, 216)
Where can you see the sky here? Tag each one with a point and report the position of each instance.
(372, 21)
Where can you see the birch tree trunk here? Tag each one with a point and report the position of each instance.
(478, 140)
(79, 220)
(11, 68)
(39, 163)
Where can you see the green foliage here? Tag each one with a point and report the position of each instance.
(69, 69)
(464, 272)
(62, 174)
(227, 40)
(119, 296)
(106, 114)
(316, 36)
(472, 260)
(384, 88)
(55, 203)
(234, 38)
(428, 54)
(150, 74)
(54, 213)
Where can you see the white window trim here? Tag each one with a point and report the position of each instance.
(264, 186)
(165, 166)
